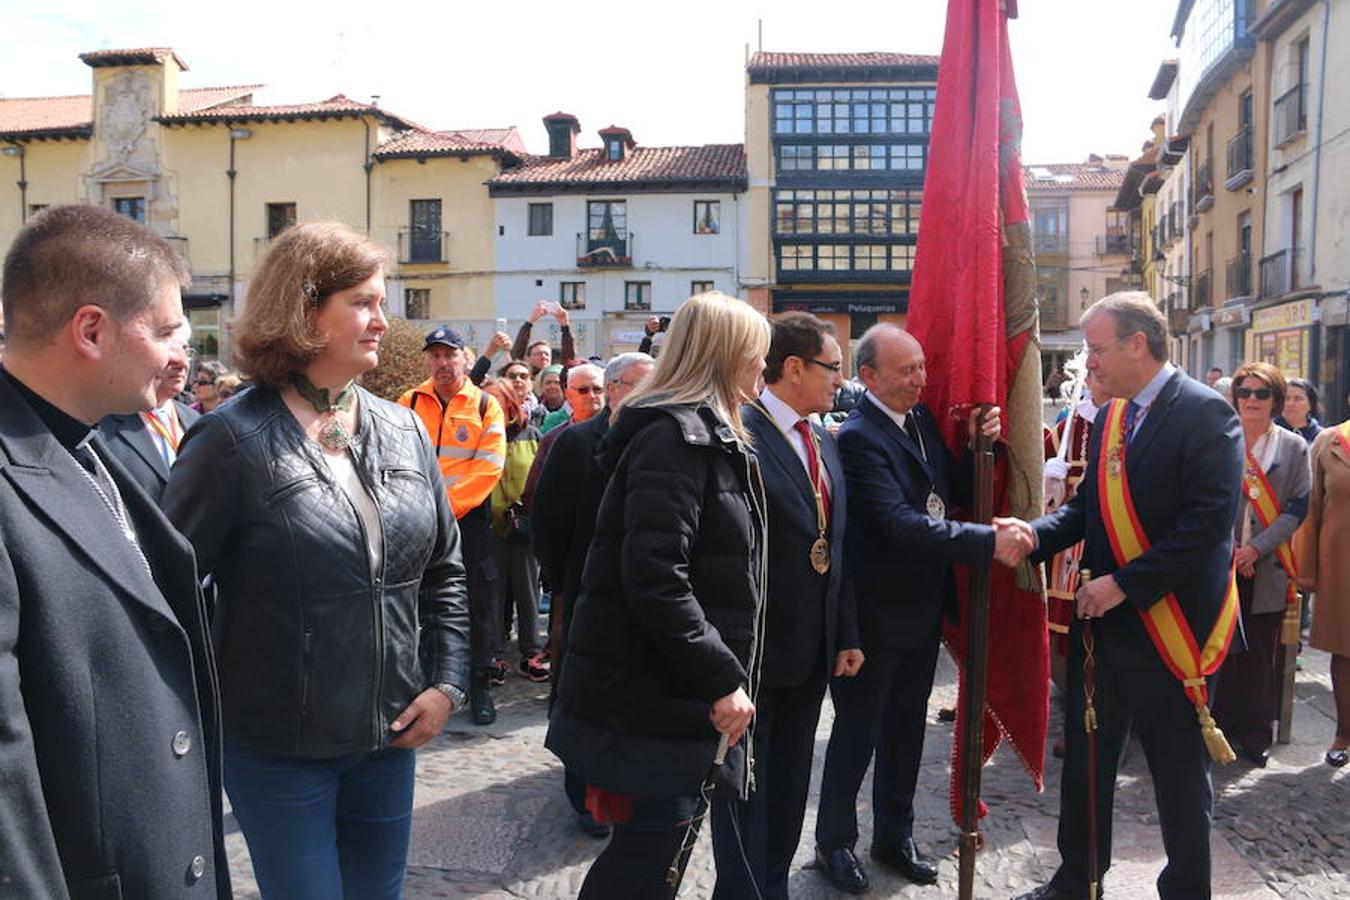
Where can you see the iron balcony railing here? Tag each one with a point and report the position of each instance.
(1112, 244)
(1238, 276)
(1174, 218)
(1240, 152)
(418, 246)
(1200, 290)
(615, 251)
(1204, 186)
(1275, 274)
(1049, 243)
(1291, 113)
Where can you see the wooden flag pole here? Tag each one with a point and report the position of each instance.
(976, 668)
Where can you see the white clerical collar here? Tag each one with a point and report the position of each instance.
(784, 416)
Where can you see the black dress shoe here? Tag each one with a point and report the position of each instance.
(1258, 758)
(590, 827)
(843, 870)
(1050, 892)
(480, 698)
(908, 861)
(1338, 758)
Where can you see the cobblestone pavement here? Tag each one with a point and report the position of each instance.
(491, 820)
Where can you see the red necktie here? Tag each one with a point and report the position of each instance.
(813, 463)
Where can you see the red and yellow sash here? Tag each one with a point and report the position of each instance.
(1166, 625)
(1267, 509)
(171, 434)
(1343, 432)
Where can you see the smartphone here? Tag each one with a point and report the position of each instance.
(501, 325)
(665, 322)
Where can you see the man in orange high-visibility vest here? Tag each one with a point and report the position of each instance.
(468, 430)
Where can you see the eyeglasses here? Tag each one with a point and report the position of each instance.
(595, 389)
(1259, 393)
(829, 367)
(205, 382)
(1098, 352)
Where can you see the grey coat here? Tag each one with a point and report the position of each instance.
(109, 728)
(1289, 478)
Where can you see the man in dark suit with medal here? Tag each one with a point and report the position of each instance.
(811, 629)
(901, 545)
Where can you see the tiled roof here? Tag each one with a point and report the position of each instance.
(649, 166)
(337, 106)
(764, 60)
(1057, 178)
(507, 137)
(140, 56)
(475, 141)
(34, 116)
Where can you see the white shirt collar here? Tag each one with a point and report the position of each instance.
(784, 416)
(1150, 391)
(897, 417)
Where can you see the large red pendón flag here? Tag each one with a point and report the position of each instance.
(972, 308)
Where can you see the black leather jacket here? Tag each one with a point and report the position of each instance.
(316, 655)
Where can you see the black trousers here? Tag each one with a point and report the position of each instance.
(635, 863)
(1244, 701)
(884, 707)
(770, 822)
(475, 536)
(1152, 700)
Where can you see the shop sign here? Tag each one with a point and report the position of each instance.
(1298, 314)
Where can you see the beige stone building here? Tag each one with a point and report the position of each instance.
(1082, 245)
(220, 176)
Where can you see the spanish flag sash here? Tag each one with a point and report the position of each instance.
(1343, 432)
(1164, 621)
(171, 433)
(1267, 509)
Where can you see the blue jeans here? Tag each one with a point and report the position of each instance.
(320, 829)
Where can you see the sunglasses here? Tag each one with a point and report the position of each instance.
(1258, 393)
(204, 382)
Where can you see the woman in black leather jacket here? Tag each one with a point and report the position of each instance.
(319, 511)
(662, 650)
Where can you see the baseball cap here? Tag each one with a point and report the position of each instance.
(443, 335)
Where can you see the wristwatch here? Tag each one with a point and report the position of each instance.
(457, 697)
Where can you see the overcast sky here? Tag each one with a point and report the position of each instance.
(672, 72)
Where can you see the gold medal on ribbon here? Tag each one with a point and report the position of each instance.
(1254, 492)
(936, 508)
(1113, 462)
(820, 555)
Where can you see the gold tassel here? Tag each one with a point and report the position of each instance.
(1215, 742)
(1291, 629)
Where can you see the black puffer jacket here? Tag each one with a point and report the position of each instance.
(669, 612)
(316, 656)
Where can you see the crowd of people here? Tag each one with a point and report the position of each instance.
(283, 591)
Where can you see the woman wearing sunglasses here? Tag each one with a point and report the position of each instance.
(1275, 500)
